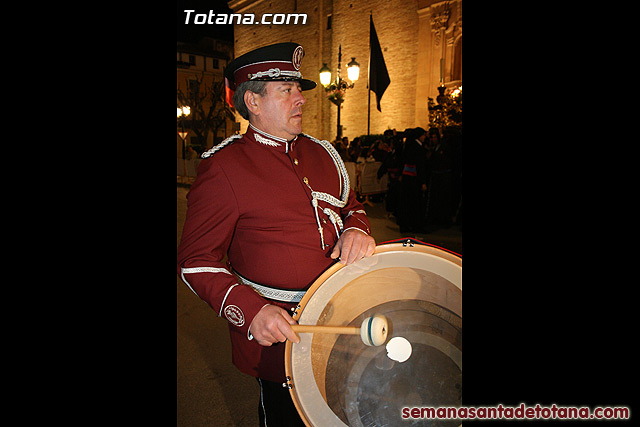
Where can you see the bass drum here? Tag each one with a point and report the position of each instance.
(336, 380)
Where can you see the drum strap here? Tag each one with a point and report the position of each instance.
(282, 295)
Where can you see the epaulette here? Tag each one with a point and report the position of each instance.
(220, 146)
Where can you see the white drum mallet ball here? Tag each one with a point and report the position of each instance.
(399, 349)
(373, 330)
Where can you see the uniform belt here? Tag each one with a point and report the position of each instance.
(410, 170)
(275, 294)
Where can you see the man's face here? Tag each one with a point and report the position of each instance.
(279, 112)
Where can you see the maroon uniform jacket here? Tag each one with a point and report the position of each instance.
(252, 202)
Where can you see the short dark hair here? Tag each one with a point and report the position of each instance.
(419, 132)
(255, 86)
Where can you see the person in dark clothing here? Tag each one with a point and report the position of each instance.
(440, 181)
(413, 182)
(378, 151)
(392, 165)
(455, 147)
(353, 152)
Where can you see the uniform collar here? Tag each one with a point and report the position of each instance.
(269, 140)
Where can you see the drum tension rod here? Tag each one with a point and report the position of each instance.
(295, 310)
(287, 383)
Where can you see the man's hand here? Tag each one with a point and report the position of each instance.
(272, 325)
(352, 246)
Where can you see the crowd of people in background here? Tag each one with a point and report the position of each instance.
(424, 170)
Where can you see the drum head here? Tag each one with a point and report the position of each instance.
(336, 380)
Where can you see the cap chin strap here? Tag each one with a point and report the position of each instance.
(276, 72)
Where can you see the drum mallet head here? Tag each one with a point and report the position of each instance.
(374, 329)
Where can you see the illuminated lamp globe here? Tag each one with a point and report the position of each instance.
(325, 75)
(353, 69)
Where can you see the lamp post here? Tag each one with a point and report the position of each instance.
(183, 112)
(338, 87)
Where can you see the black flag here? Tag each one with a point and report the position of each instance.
(378, 74)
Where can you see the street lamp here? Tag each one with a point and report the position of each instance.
(353, 70)
(183, 112)
(338, 88)
(325, 75)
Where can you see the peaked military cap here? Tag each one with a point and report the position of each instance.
(280, 61)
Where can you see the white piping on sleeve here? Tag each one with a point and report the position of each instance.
(187, 283)
(225, 298)
(191, 270)
(205, 270)
(355, 228)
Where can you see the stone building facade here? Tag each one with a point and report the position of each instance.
(415, 36)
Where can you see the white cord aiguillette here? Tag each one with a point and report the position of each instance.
(328, 198)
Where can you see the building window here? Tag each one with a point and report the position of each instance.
(192, 59)
(216, 64)
(329, 22)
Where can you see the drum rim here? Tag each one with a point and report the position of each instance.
(422, 247)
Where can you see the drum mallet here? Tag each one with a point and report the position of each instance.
(373, 331)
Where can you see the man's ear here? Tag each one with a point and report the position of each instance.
(252, 102)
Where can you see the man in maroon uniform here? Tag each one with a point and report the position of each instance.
(278, 204)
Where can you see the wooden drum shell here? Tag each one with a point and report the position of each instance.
(423, 279)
